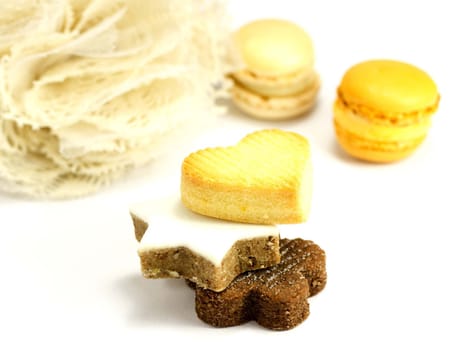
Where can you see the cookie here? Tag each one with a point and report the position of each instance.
(278, 80)
(383, 110)
(264, 179)
(276, 297)
(175, 242)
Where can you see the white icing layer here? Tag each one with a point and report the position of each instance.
(170, 224)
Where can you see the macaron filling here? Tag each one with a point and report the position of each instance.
(385, 117)
(287, 85)
(355, 123)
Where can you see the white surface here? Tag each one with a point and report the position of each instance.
(171, 224)
(70, 273)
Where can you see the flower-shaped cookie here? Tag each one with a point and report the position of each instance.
(275, 297)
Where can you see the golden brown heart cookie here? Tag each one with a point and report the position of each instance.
(264, 179)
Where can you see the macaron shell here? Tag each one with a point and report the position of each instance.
(388, 86)
(373, 151)
(273, 47)
(373, 142)
(274, 108)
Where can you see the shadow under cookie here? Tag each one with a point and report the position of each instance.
(157, 302)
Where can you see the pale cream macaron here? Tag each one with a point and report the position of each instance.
(278, 80)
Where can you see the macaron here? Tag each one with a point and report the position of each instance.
(277, 80)
(383, 110)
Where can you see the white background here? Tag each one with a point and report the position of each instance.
(69, 272)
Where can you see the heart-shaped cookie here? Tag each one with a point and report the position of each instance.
(264, 179)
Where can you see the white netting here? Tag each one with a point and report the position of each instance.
(91, 88)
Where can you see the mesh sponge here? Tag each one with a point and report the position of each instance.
(103, 87)
(19, 18)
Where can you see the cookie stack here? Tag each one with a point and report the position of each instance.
(223, 237)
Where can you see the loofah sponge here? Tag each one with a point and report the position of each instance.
(101, 86)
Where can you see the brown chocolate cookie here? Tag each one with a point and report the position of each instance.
(275, 297)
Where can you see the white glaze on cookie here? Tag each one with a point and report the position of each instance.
(171, 225)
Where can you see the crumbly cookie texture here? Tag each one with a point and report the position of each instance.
(276, 297)
(265, 179)
(175, 242)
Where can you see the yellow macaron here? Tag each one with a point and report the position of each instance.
(383, 110)
(278, 80)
